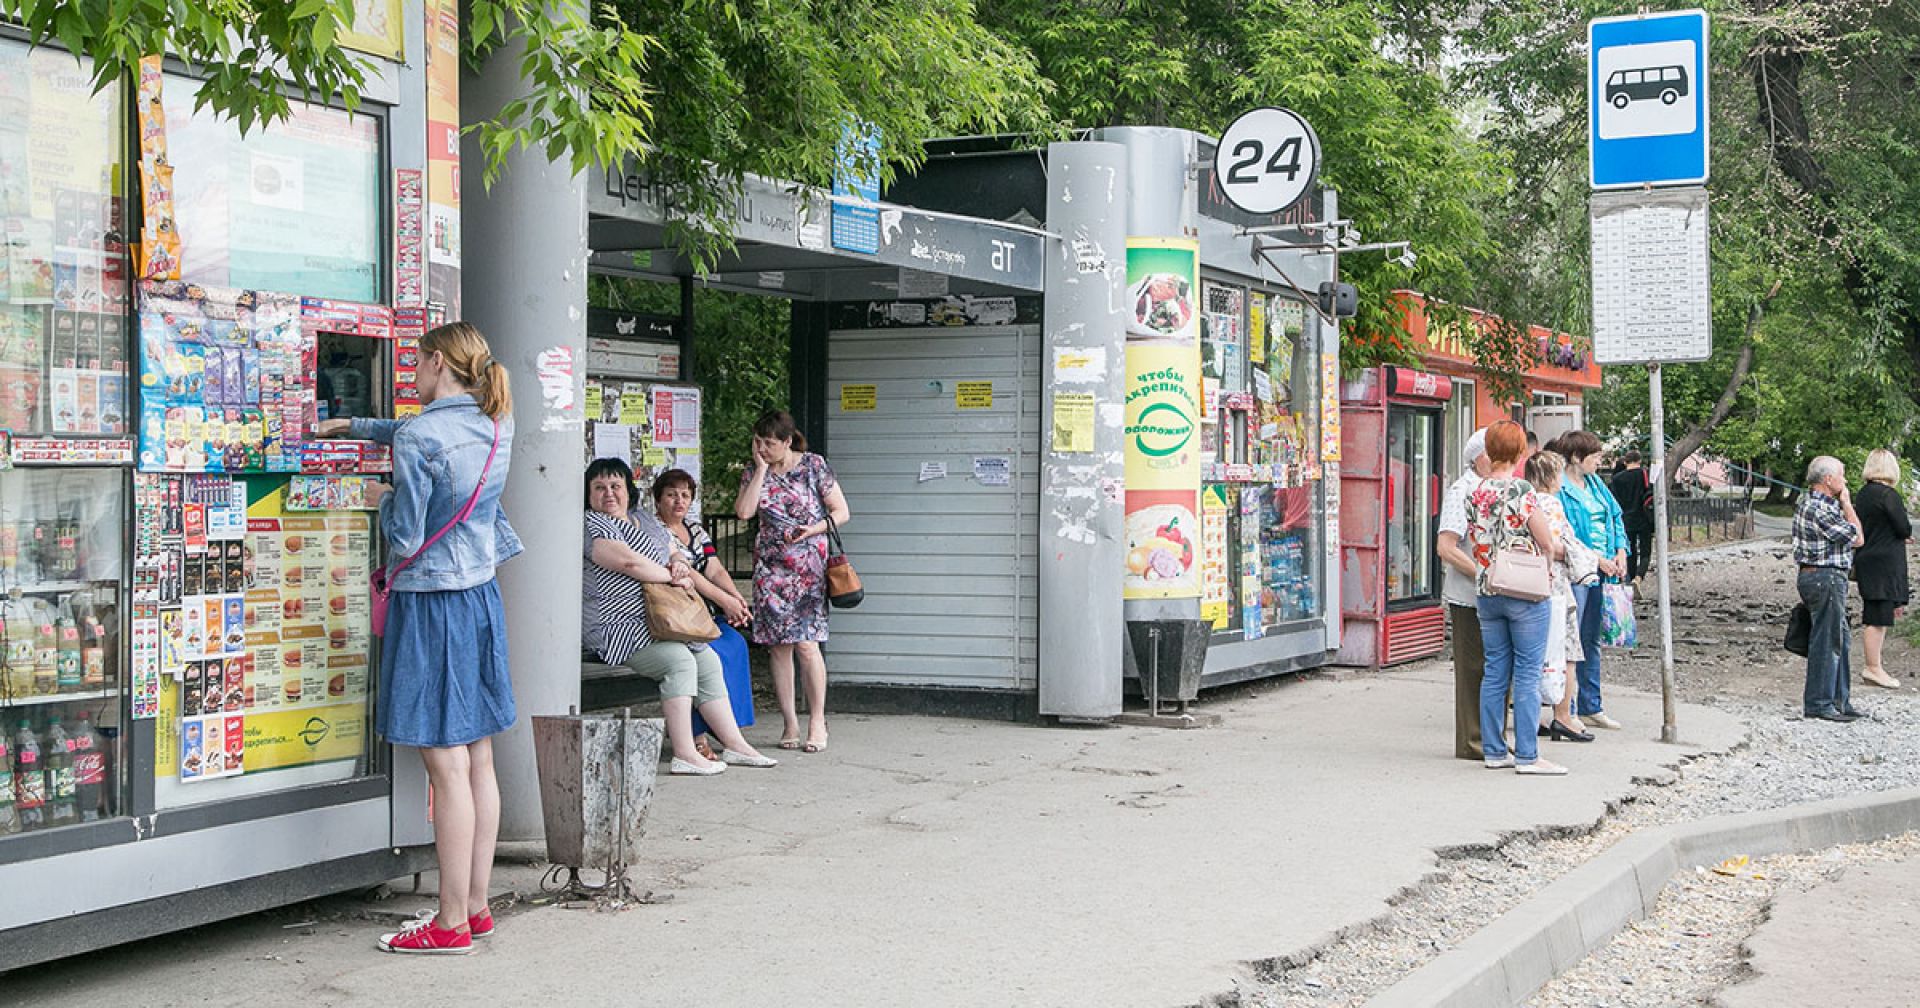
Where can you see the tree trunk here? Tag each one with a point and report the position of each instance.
(1698, 434)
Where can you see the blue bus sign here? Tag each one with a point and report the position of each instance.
(1647, 100)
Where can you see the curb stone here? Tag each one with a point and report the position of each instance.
(1575, 915)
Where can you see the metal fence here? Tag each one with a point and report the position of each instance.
(733, 539)
(1710, 516)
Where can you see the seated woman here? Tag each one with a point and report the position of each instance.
(625, 550)
(673, 495)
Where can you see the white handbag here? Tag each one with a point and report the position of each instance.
(1520, 573)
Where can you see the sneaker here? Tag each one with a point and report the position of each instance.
(480, 925)
(1541, 768)
(426, 937)
(732, 758)
(1503, 763)
(1599, 720)
(685, 769)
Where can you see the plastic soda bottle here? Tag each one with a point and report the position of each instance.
(62, 810)
(9, 818)
(89, 768)
(46, 652)
(29, 779)
(67, 650)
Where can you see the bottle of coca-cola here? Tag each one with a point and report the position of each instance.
(89, 769)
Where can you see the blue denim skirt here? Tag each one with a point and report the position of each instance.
(444, 679)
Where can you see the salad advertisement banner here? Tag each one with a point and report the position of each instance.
(1163, 417)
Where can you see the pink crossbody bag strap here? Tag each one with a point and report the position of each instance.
(464, 513)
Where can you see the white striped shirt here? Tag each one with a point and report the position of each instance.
(613, 607)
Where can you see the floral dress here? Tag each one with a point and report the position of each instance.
(790, 579)
(1497, 514)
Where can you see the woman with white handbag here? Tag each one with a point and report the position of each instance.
(1512, 542)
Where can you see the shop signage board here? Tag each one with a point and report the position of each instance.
(1267, 160)
(1652, 301)
(1647, 99)
(1162, 419)
(780, 214)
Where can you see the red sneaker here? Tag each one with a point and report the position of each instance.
(481, 924)
(427, 937)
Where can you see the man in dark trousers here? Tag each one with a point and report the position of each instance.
(1632, 488)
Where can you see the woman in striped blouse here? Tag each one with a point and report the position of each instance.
(624, 550)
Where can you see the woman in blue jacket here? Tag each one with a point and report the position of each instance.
(1596, 519)
(444, 684)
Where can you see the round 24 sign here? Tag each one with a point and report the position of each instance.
(1267, 160)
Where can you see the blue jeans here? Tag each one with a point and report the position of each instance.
(1592, 603)
(1514, 634)
(1829, 677)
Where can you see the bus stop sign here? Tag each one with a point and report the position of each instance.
(1647, 100)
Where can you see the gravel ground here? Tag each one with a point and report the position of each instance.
(1730, 610)
(1690, 947)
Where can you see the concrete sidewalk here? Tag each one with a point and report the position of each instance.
(943, 862)
(1848, 942)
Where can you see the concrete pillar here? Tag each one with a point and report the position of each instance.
(524, 248)
(1082, 519)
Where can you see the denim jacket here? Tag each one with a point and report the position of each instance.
(1582, 518)
(437, 459)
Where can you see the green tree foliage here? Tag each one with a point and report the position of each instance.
(1368, 76)
(257, 56)
(1812, 135)
(773, 87)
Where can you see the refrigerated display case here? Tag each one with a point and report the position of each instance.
(1392, 429)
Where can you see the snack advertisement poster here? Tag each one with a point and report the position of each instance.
(1163, 419)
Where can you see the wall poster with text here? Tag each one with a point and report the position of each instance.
(1162, 418)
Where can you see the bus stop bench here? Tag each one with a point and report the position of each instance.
(604, 687)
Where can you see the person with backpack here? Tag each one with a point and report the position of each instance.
(1634, 491)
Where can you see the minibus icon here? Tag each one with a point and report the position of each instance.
(1667, 83)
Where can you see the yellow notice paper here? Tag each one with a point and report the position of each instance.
(633, 403)
(1073, 422)
(596, 400)
(859, 398)
(973, 394)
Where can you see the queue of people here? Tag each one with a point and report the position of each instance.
(1527, 536)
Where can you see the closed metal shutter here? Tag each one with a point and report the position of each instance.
(949, 564)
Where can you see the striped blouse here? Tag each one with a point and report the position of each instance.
(613, 607)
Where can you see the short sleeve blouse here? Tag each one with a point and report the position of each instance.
(1497, 514)
(613, 608)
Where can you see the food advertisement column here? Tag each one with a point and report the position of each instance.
(1163, 410)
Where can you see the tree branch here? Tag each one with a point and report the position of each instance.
(1698, 434)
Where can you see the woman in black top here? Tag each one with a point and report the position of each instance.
(1881, 564)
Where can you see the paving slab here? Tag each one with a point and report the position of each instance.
(950, 862)
(1848, 942)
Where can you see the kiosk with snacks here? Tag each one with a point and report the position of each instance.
(186, 664)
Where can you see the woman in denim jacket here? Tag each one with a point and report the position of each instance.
(444, 684)
(1596, 520)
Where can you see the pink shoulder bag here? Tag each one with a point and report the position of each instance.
(383, 576)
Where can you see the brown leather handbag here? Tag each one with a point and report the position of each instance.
(678, 614)
(843, 583)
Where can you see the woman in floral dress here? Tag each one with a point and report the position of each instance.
(793, 491)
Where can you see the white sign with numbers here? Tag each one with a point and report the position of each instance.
(1651, 299)
(1267, 160)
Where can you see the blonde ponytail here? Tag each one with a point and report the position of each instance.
(471, 361)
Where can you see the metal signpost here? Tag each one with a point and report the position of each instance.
(1647, 128)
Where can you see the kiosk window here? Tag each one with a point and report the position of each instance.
(351, 368)
(292, 207)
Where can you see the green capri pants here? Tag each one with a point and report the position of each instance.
(681, 671)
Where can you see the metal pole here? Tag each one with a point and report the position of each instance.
(1668, 733)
